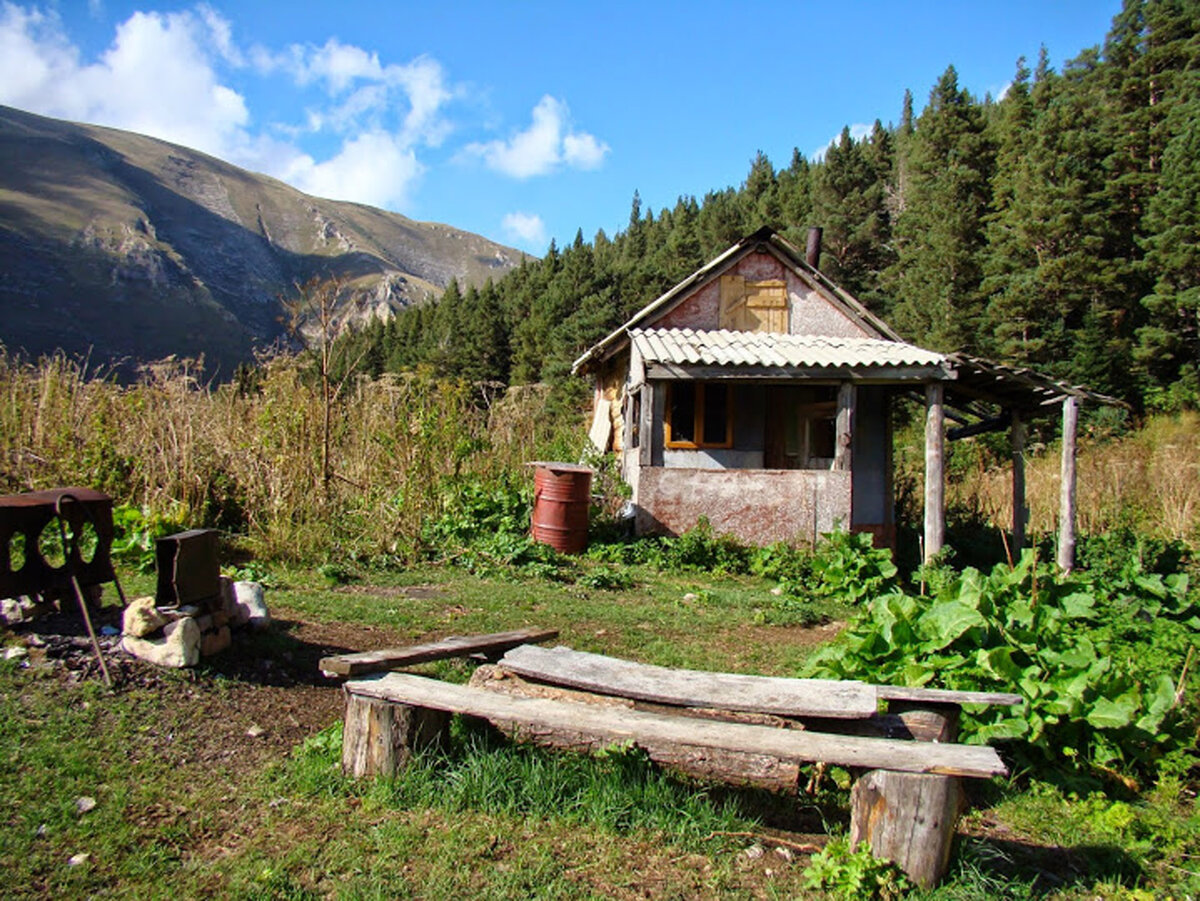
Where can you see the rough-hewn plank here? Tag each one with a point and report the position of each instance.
(946, 696)
(603, 725)
(693, 688)
(455, 646)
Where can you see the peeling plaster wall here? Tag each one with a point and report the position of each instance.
(811, 314)
(758, 507)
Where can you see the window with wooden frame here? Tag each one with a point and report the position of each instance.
(698, 415)
(754, 306)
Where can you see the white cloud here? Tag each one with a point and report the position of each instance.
(858, 131)
(376, 168)
(168, 75)
(157, 77)
(527, 228)
(542, 146)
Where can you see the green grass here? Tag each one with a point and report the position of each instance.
(483, 818)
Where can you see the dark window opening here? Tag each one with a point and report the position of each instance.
(698, 415)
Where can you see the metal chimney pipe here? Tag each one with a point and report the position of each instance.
(812, 252)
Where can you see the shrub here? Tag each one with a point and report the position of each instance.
(1093, 661)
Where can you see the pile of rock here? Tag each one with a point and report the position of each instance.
(180, 636)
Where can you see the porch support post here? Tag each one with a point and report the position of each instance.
(1020, 511)
(843, 453)
(935, 476)
(646, 427)
(1066, 500)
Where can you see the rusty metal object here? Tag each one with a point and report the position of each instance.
(188, 569)
(29, 515)
(561, 495)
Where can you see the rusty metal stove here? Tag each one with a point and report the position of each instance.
(29, 515)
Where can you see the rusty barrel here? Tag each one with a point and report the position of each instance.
(561, 494)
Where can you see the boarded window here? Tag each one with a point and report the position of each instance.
(698, 415)
(754, 306)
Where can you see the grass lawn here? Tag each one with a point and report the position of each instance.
(225, 781)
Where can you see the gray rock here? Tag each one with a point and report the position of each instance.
(11, 611)
(215, 642)
(142, 618)
(251, 608)
(15, 653)
(179, 647)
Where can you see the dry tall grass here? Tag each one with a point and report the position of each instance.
(1149, 480)
(250, 461)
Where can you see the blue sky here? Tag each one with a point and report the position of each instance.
(521, 121)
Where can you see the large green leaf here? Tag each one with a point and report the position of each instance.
(945, 623)
(1113, 714)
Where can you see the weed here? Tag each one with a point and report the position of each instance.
(856, 874)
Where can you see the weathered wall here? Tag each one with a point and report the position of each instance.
(811, 314)
(758, 507)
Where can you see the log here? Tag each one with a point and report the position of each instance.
(693, 688)
(1066, 515)
(908, 819)
(935, 475)
(587, 725)
(379, 737)
(1020, 511)
(454, 646)
(843, 453)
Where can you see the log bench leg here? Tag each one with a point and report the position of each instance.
(908, 818)
(379, 737)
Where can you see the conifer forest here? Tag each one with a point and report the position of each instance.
(1057, 226)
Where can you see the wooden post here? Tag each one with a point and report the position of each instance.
(1066, 502)
(843, 454)
(909, 818)
(935, 476)
(1020, 511)
(646, 426)
(379, 737)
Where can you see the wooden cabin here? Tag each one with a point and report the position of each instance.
(759, 394)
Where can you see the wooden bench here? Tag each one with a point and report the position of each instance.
(742, 729)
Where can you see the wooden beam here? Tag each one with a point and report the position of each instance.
(455, 646)
(935, 473)
(843, 453)
(994, 424)
(1066, 502)
(692, 688)
(646, 426)
(1020, 513)
(591, 726)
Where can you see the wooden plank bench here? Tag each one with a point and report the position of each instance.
(905, 805)
(455, 646)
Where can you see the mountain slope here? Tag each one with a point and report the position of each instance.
(128, 247)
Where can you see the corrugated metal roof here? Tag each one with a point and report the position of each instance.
(688, 347)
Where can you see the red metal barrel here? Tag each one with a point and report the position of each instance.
(561, 494)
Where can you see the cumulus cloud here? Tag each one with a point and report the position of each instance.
(157, 77)
(858, 131)
(525, 228)
(171, 75)
(543, 146)
(376, 168)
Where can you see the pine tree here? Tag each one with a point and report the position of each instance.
(939, 233)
